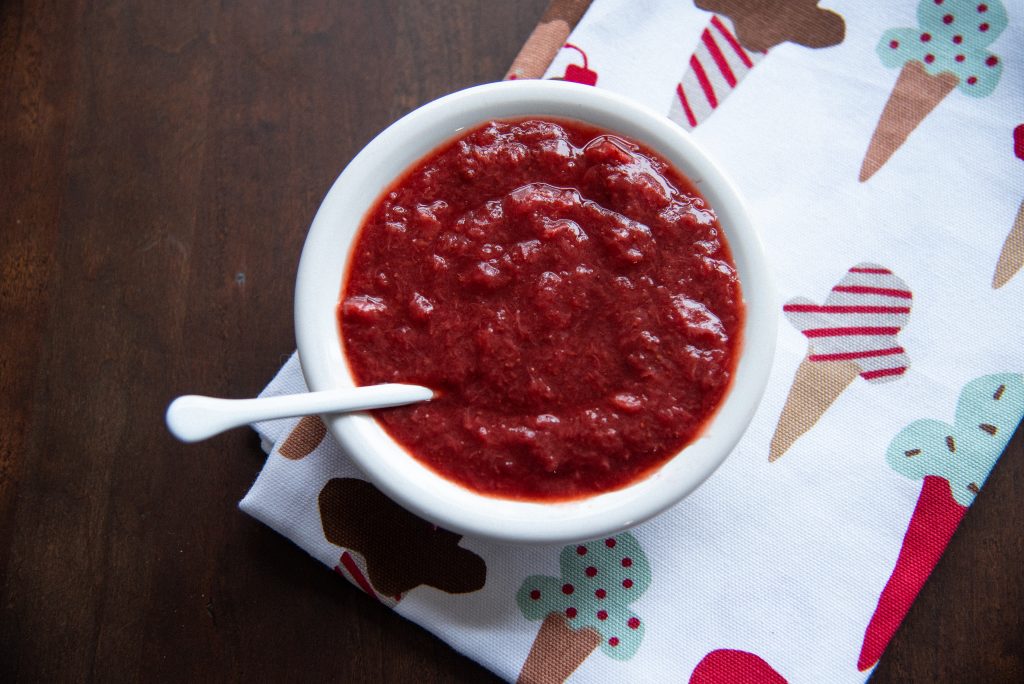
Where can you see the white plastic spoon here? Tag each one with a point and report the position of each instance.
(193, 418)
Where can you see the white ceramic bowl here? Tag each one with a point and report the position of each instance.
(323, 267)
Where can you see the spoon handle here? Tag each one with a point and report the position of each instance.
(193, 418)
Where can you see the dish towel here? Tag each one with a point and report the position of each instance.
(881, 152)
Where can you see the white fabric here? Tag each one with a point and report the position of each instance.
(785, 560)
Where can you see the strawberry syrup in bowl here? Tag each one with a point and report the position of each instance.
(575, 278)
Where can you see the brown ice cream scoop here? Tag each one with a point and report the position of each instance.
(763, 24)
(401, 550)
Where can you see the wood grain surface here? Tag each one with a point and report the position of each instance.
(160, 163)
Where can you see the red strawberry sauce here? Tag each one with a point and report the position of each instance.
(568, 293)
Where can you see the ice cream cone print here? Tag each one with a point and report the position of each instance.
(548, 37)
(736, 38)
(1011, 258)
(852, 334)
(352, 566)
(953, 462)
(304, 438)
(586, 608)
(815, 387)
(717, 66)
(914, 96)
(557, 651)
(946, 51)
(389, 551)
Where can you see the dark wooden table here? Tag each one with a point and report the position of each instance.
(159, 165)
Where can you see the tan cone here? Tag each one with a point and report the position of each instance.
(557, 651)
(1012, 256)
(816, 386)
(550, 34)
(306, 437)
(914, 96)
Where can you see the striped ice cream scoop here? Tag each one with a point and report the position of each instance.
(858, 322)
(853, 333)
(717, 65)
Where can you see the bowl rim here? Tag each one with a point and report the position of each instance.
(325, 261)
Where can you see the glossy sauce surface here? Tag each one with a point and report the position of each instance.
(569, 294)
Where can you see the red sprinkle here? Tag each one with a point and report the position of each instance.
(568, 589)
(948, 19)
(581, 550)
(610, 543)
(634, 622)
(894, 44)
(959, 58)
(983, 28)
(602, 615)
(958, 39)
(972, 80)
(929, 58)
(591, 571)
(925, 37)
(570, 612)
(614, 641)
(627, 583)
(983, 8)
(992, 60)
(600, 593)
